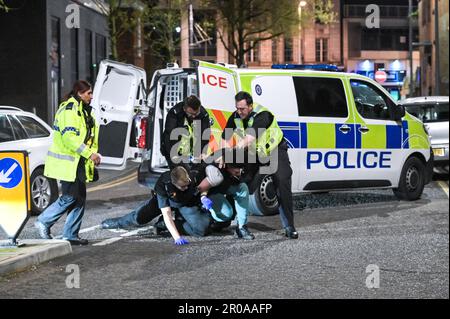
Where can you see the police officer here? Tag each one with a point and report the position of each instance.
(183, 189)
(257, 130)
(188, 122)
(71, 159)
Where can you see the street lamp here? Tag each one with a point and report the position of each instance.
(301, 4)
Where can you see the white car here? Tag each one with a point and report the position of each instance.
(24, 131)
(433, 112)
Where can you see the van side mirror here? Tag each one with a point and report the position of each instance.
(398, 112)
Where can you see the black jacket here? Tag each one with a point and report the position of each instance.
(175, 119)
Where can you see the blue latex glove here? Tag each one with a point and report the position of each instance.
(207, 203)
(181, 241)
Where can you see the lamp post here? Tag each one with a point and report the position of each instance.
(301, 4)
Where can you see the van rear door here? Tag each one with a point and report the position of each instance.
(217, 86)
(119, 93)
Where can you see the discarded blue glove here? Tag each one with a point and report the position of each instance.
(181, 241)
(207, 203)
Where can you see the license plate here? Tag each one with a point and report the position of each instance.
(438, 151)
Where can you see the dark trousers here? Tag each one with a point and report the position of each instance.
(194, 221)
(283, 182)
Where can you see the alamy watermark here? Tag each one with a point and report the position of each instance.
(73, 19)
(373, 279)
(73, 279)
(373, 19)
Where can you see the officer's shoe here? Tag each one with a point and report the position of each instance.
(244, 233)
(111, 223)
(77, 241)
(291, 233)
(44, 231)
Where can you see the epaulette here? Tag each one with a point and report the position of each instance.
(69, 106)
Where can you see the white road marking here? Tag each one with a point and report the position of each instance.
(137, 231)
(108, 241)
(85, 230)
(444, 186)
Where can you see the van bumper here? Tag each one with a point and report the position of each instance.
(429, 169)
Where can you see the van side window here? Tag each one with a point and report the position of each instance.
(370, 102)
(322, 97)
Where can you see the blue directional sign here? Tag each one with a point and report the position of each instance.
(10, 173)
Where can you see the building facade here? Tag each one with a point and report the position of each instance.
(42, 54)
(433, 45)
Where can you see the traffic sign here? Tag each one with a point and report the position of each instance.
(380, 76)
(15, 202)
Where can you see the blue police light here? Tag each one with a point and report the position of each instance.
(317, 67)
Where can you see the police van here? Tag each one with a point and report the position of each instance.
(344, 131)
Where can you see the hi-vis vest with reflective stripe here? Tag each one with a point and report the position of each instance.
(69, 143)
(187, 142)
(266, 141)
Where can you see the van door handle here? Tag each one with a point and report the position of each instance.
(345, 128)
(364, 129)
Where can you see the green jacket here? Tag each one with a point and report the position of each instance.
(70, 142)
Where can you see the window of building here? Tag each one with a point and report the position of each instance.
(74, 55)
(321, 50)
(6, 133)
(253, 54)
(33, 128)
(100, 51)
(88, 55)
(19, 132)
(55, 57)
(370, 102)
(322, 97)
(288, 50)
(275, 51)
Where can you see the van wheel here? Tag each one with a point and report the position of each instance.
(263, 197)
(412, 180)
(44, 191)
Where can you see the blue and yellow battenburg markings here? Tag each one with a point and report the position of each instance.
(296, 135)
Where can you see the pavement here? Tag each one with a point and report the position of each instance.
(32, 252)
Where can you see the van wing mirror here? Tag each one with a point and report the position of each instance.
(398, 112)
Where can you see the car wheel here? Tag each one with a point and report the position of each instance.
(44, 191)
(263, 197)
(412, 180)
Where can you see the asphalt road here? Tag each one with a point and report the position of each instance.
(344, 239)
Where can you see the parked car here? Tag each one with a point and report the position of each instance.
(19, 131)
(433, 112)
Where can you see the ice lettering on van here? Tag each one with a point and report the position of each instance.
(338, 160)
(213, 80)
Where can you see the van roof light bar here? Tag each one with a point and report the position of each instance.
(317, 67)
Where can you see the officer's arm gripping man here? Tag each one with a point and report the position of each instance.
(70, 126)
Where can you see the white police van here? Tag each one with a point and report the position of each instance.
(343, 130)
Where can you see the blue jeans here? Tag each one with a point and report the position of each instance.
(196, 222)
(142, 215)
(72, 200)
(222, 211)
